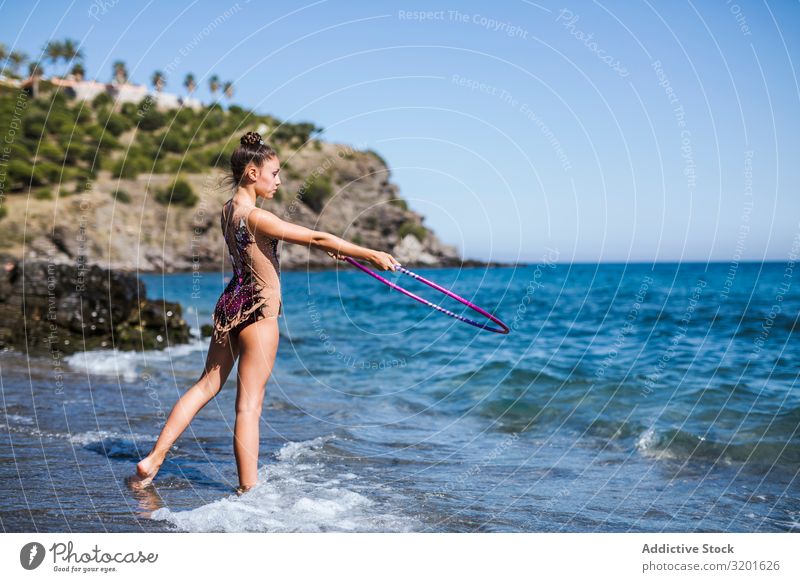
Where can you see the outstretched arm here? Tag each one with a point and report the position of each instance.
(266, 223)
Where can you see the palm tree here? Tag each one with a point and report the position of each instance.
(190, 83)
(78, 71)
(17, 59)
(53, 51)
(120, 72)
(227, 88)
(70, 51)
(35, 72)
(213, 84)
(158, 80)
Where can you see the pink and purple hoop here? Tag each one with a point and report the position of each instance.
(447, 292)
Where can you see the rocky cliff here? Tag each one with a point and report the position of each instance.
(133, 231)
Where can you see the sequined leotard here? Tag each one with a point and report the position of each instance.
(254, 291)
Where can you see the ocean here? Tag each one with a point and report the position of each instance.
(627, 398)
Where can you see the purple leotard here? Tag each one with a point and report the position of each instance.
(254, 291)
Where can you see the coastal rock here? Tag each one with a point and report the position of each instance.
(47, 307)
(410, 251)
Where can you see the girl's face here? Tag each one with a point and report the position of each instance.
(268, 178)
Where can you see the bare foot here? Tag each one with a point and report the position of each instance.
(146, 470)
(241, 490)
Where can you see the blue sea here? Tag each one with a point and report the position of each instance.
(627, 398)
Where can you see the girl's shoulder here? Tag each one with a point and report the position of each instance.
(256, 216)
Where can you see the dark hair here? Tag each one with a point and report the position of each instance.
(251, 148)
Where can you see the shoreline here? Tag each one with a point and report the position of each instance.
(312, 268)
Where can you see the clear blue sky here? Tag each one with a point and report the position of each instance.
(512, 126)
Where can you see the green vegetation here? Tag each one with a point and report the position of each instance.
(295, 134)
(102, 100)
(179, 193)
(131, 166)
(399, 202)
(3, 211)
(122, 196)
(21, 175)
(60, 140)
(316, 192)
(410, 227)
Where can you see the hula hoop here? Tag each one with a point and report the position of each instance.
(447, 292)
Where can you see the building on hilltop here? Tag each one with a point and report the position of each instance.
(120, 92)
(127, 92)
(85, 90)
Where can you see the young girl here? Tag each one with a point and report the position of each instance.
(246, 315)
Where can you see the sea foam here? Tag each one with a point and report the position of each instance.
(294, 494)
(125, 364)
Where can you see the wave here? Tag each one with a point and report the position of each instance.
(506, 372)
(738, 434)
(295, 494)
(106, 442)
(682, 445)
(126, 364)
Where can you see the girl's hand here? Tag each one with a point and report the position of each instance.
(336, 256)
(384, 261)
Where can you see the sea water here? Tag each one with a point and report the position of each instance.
(631, 397)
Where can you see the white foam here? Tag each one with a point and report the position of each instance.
(646, 445)
(23, 425)
(126, 363)
(293, 496)
(16, 418)
(95, 436)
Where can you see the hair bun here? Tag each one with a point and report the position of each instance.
(251, 138)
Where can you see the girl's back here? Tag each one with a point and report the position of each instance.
(254, 291)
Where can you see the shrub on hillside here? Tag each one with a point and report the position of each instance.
(84, 181)
(179, 193)
(399, 202)
(101, 139)
(59, 122)
(184, 117)
(413, 228)
(128, 110)
(173, 141)
(102, 100)
(131, 166)
(33, 125)
(51, 171)
(21, 174)
(122, 196)
(50, 150)
(315, 193)
(81, 114)
(217, 159)
(193, 163)
(212, 134)
(74, 151)
(115, 124)
(148, 118)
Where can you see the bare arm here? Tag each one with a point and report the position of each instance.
(267, 224)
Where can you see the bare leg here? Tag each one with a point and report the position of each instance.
(219, 363)
(258, 345)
